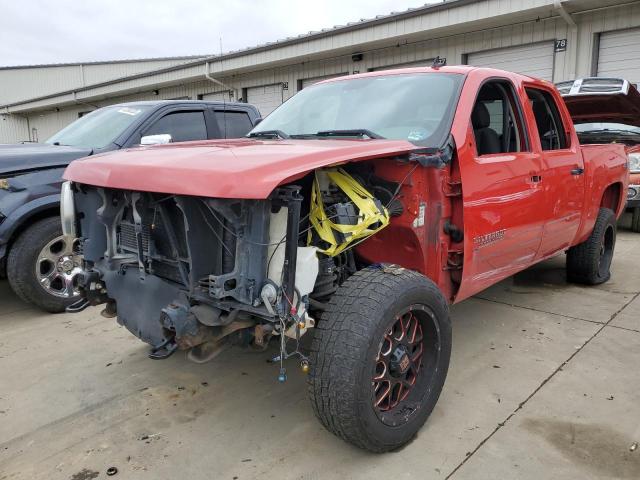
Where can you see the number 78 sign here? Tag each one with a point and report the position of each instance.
(561, 45)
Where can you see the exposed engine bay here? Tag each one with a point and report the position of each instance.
(183, 272)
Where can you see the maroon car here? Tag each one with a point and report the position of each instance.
(607, 110)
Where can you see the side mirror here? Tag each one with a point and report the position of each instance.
(258, 120)
(160, 139)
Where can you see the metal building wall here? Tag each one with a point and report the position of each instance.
(44, 125)
(30, 82)
(592, 24)
(100, 72)
(454, 48)
(575, 61)
(434, 20)
(18, 84)
(47, 123)
(13, 129)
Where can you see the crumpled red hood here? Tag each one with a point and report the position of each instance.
(242, 168)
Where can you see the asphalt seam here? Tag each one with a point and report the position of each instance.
(623, 328)
(539, 387)
(533, 309)
(568, 317)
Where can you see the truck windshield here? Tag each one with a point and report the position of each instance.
(98, 128)
(417, 107)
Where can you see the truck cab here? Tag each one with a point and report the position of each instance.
(40, 264)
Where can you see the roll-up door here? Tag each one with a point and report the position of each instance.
(535, 60)
(218, 96)
(420, 63)
(619, 54)
(266, 97)
(305, 82)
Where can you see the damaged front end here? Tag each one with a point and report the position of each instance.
(192, 273)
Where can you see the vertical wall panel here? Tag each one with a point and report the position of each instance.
(13, 129)
(619, 54)
(30, 82)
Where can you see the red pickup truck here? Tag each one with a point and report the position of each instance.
(355, 213)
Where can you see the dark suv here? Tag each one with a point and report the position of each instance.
(40, 264)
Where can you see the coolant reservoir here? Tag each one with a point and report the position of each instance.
(307, 266)
(306, 270)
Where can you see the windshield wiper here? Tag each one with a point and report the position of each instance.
(357, 132)
(269, 134)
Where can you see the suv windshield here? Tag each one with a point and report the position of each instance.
(417, 107)
(98, 128)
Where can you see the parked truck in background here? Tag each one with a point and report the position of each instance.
(367, 204)
(42, 265)
(607, 110)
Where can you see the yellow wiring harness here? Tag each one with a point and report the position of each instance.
(371, 217)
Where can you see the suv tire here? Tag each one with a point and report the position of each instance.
(589, 263)
(33, 262)
(385, 329)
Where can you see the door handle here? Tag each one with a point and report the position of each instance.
(536, 178)
(577, 171)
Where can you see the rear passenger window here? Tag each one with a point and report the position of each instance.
(550, 128)
(182, 126)
(497, 120)
(234, 124)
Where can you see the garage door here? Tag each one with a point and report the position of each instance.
(267, 97)
(310, 81)
(619, 55)
(420, 63)
(218, 97)
(533, 60)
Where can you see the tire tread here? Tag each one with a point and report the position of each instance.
(635, 220)
(341, 339)
(20, 275)
(582, 259)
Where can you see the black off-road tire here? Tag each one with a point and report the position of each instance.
(21, 265)
(635, 220)
(589, 263)
(347, 342)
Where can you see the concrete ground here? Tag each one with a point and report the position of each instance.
(544, 383)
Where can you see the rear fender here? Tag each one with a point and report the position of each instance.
(612, 198)
(607, 179)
